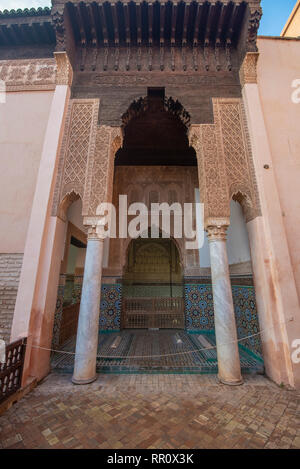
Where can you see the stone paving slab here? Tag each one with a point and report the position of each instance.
(153, 411)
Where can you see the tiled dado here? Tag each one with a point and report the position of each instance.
(200, 313)
(110, 307)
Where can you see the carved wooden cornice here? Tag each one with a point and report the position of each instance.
(58, 22)
(253, 25)
(198, 27)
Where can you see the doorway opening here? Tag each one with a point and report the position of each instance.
(153, 285)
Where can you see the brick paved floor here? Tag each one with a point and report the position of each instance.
(153, 411)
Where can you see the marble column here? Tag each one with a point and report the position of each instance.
(225, 326)
(88, 322)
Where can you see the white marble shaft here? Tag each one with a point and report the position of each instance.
(225, 325)
(88, 322)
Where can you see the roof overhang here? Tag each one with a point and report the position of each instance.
(156, 22)
(110, 23)
(26, 27)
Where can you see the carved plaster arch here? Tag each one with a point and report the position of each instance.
(140, 105)
(179, 243)
(66, 202)
(243, 197)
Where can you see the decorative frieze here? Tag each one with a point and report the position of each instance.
(29, 74)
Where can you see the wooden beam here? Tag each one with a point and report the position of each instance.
(45, 31)
(150, 22)
(185, 24)
(162, 36)
(34, 33)
(139, 22)
(230, 29)
(103, 23)
(162, 23)
(12, 34)
(209, 21)
(83, 39)
(199, 12)
(220, 23)
(3, 39)
(173, 23)
(94, 36)
(93, 24)
(113, 7)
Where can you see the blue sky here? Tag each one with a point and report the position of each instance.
(276, 12)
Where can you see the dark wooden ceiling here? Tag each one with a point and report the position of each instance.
(143, 22)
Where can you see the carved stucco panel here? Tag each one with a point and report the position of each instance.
(234, 143)
(211, 170)
(101, 168)
(77, 146)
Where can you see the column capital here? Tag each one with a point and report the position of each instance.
(216, 228)
(93, 234)
(64, 72)
(248, 70)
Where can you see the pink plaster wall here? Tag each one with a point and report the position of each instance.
(23, 121)
(278, 67)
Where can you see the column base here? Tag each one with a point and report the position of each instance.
(231, 383)
(84, 381)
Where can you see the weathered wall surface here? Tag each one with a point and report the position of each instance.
(23, 120)
(10, 269)
(278, 68)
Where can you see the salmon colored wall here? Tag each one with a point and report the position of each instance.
(278, 67)
(23, 121)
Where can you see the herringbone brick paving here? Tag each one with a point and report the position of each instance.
(153, 411)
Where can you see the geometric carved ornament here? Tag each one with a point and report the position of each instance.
(86, 162)
(225, 163)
